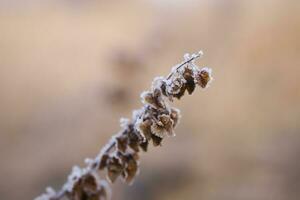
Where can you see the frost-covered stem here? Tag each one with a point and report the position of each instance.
(153, 122)
(193, 57)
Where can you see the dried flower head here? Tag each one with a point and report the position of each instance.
(203, 77)
(114, 168)
(154, 121)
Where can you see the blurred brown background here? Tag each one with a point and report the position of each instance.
(70, 69)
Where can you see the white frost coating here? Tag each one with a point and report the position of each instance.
(157, 82)
(175, 83)
(50, 193)
(174, 69)
(208, 70)
(136, 113)
(106, 147)
(200, 53)
(89, 162)
(75, 174)
(124, 122)
(143, 95)
(186, 57)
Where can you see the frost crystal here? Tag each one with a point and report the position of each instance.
(50, 193)
(124, 122)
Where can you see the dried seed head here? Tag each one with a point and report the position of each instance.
(103, 161)
(158, 130)
(155, 120)
(131, 167)
(133, 140)
(167, 124)
(163, 87)
(156, 140)
(84, 184)
(204, 77)
(175, 85)
(114, 168)
(163, 126)
(122, 143)
(147, 98)
(180, 93)
(153, 99)
(190, 82)
(144, 127)
(89, 183)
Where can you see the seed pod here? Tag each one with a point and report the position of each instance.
(180, 93)
(133, 141)
(163, 126)
(203, 77)
(144, 127)
(88, 187)
(90, 183)
(114, 168)
(131, 167)
(153, 99)
(103, 161)
(122, 143)
(190, 82)
(156, 140)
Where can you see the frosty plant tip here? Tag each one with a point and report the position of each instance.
(154, 121)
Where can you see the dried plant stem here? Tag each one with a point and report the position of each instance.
(155, 120)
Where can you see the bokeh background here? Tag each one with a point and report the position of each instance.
(69, 69)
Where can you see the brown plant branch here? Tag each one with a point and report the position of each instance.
(153, 122)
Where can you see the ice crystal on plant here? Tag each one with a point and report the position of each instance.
(50, 193)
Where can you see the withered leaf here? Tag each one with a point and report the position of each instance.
(103, 161)
(181, 92)
(156, 140)
(158, 129)
(190, 83)
(167, 123)
(130, 169)
(144, 146)
(85, 188)
(77, 189)
(145, 128)
(163, 88)
(148, 98)
(154, 98)
(122, 142)
(89, 183)
(133, 140)
(203, 78)
(114, 169)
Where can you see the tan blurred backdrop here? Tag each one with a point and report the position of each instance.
(70, 69)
